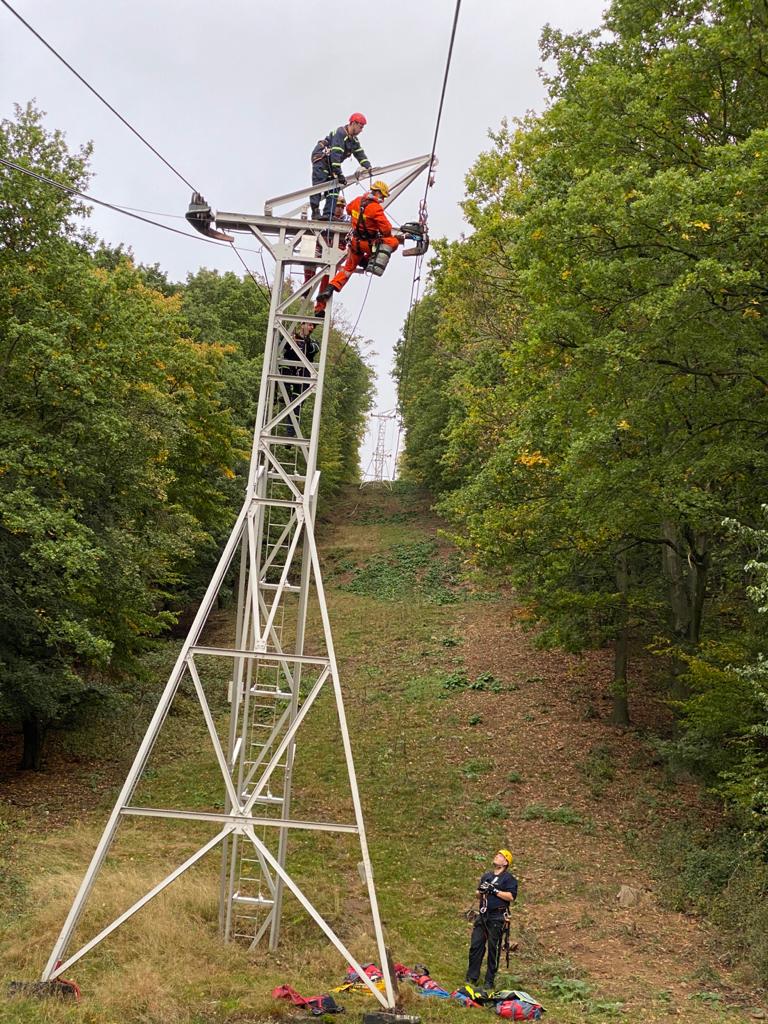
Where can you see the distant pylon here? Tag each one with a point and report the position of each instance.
(381, 455)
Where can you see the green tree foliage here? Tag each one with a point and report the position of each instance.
(113, 443)
(725, 719)
(425, 408)
(608, 379)
(347, 399)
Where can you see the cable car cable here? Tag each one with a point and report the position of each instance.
(70, 190)
(98, 95)
(407, 333)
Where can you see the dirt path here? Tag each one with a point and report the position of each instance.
(581, 801)
(575, 765)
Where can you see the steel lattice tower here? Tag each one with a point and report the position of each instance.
(380, 453)
(274, 681)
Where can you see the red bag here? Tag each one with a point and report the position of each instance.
(519, 1009)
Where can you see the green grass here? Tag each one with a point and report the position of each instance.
(557, 815)
(411, 569)
(598, 770)
(431, 829)
(476, 767)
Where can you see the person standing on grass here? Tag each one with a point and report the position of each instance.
(496, 891)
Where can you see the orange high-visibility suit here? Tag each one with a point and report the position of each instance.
(370, 225)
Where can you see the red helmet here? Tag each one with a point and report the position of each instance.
(360, 118)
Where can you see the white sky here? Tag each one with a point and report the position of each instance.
(235, 94)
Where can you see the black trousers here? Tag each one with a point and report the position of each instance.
(322, 174)
(487, 932)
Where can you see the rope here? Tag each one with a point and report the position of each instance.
(351, 337)
(252, 276)
(98, 95)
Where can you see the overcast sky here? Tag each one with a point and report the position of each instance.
(235, 94)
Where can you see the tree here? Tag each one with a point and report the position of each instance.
(596, 443)
(113, 441)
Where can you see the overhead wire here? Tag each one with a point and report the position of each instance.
(445, 84)
(128, 211)
(416, 280)
(98, 95)
(152, 213)
(70, 190)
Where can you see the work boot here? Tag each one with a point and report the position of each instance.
(314, 213)
(322, 300)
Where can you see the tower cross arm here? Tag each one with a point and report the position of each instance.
(415, 166)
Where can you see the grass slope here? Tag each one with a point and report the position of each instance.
(466, 738)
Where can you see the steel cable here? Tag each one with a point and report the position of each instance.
(407, 333)
(98, 95)
(126, 211)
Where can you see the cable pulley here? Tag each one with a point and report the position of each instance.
(200, 216)
(417, 233)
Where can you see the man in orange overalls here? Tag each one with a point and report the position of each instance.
(369, 226)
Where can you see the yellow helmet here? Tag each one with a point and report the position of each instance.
(507, 857)
(380, 186)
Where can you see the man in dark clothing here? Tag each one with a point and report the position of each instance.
(309, 348)
(327, 157)
(496, 890)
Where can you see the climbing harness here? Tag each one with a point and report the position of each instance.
(381, 251)
(361, 230)
(317, 1005)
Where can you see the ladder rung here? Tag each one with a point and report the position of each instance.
(296, 318)
(279, 502)
(309, 381)
(252, 901)
(301, 442)
(296, 478)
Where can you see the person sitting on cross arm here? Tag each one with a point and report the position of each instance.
(369, 227)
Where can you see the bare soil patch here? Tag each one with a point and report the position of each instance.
(553, 731)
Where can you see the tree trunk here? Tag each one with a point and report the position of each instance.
(620, 687)
(34, 730)
(686, 564)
